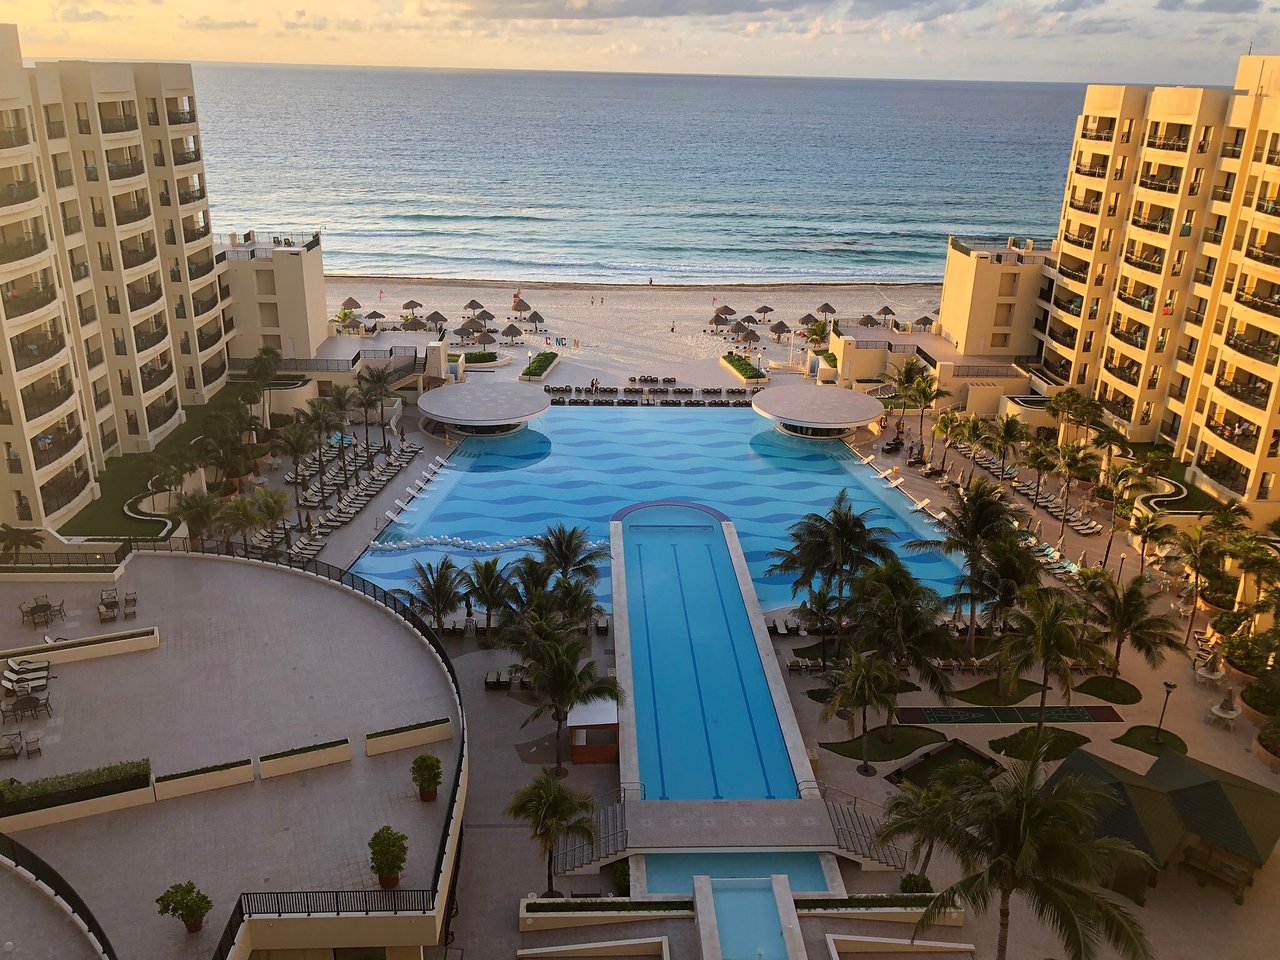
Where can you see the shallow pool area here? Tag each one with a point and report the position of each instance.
(673, 873)
(747, 920)
(581, 466)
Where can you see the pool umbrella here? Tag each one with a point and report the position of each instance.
(764, 311)
(719, 321)
(750, 336)
(925, 321)
(414, 325)
(738, 327)
(749, 319)
(352, 324)
(484, 315)
(464, 333)
(486, 339)
(886, 311)
(520, 307)
(724, 310)
(827, 309)
(374, 315)
(410, 305)
(778, 329)
(436, 318)
(351, 303)
(535, 318)
(807, 319)
(474, 305)
(512, 331)
(473, 325)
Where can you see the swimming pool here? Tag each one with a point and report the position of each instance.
(673, 873)
(706, 724)
(580, 466)
(747, 920)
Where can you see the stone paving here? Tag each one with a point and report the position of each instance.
(251, 660)
(38, 928)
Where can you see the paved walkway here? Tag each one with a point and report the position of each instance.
(37, 926)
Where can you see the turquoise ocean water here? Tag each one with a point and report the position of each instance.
(622, 177)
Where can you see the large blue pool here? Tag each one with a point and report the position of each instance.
(706, 727)
(580, 466)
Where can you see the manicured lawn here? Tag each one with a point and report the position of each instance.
(1195, 500)
(1139, 738)
(906, 740)
(126, 477)
(1110, 689)
(988, 694)
(1061, 743)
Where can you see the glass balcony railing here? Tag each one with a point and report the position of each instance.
(18, 191)
(23, 247)
(139, 299)
(20, 304)
(121, 124)
(63, 489)
(182, 116)
(11, 137)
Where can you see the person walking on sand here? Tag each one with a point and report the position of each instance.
(673, 328)
(593, 301)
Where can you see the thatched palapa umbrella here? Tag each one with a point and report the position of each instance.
(749, 318)
(778, 329)
(485, 339)
(719, 321)
(436, 318)
(411, 305)
(827, 309)
(807, 319)
(464, 333)
(512, 331)
(764, 311)
(886, 311)
(375, 315)
(724, 310)
(473, 306)
(352, 324)
(414, 325)
(925, 321)
(473, 325)
(738, 327)
(868, 321)
(485, 316)
(520, 307)
(750, 336)
(535, 318)
(351, 303)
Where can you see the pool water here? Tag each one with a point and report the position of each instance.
(747, 920)
(580, 466)
(673, 873)
(706, 725)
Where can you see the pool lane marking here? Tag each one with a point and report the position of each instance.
(653, 690)
(737, 663)
(697, 674)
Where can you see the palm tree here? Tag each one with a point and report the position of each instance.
(903, 376)
(1015, 834)
(199, 511)
(576, 602)
(342, 400)
(530, 590)
(1229, 518)
(297, 441)
(1256, 558)
(1201, 550)
(926, 392)
(554, 665)
(1107, 439)
(273, 510)
(434, 588)
(368, 398)
(1046, 631)
(554, 812)
(1042, 458)
(1086, 411)
(922, 813)
(865, 683)
(1075, 462)
(568, 552)
(820, 613)
(976, 518)
(323, 421)
(261, 371)
(241, 517)
(1121, 614)
(488, 584)
(1005, 435)
(1125, 480)
(13, 540)
(973, 432)
(1149, 528)
(380, 381)
(947, 429)
(1008, 571)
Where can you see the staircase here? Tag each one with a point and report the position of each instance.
(856, 834)
(610, 839)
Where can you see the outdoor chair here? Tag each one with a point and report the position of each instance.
(30, 677)
(24, 667)
(11, 749)
(7, 711)
(107, 614)
(491, 680)
(33, 747)
(59, 610)
(130, 599)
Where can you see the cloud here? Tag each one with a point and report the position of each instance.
(915, 11)
(1071, 6)
(1211, 6)
(208, 23)
(301, 21)
(75, 13)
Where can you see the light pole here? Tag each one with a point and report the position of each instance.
(1120, 569)
(1169, 687)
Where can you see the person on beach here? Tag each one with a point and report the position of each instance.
(673, 327)
(593, 301)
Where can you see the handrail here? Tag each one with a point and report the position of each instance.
(22, 857)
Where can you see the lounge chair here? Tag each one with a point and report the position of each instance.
(792, 628)
(19, 665)
(491, 680)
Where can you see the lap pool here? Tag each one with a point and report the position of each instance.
(581, 466)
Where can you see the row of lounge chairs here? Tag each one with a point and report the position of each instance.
(309, 466)
(336, 471)
(497, 680)
(788, 628)
(975, 665)
(646, 402)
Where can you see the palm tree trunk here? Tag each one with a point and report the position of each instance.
(924, 864)
(1066, 508)
(1115, 667)
(320, 453)
(1002, 942)
(382, 421)
(1142, 557)
(822, 639)
(866, 737)
(368, 458)
(971, 644)
(559, 758)
(946, 448)
(1112, 535)
(1044, 696)
(1195, 602)
(551, 877)
(922, 424)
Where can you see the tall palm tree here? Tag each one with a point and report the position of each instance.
(241, 517)
(261, 371)
(297, 441)
(576, 602)
(1008, 571)
(1086, 411)
(922, 813)
(368, 398)
(342, 401)
(1125, 481)
(554, 812)
(976, 518)
(13, 540)
(1256, 558)
(199, 511)
(273, 510)
(1107, 439)
(947, 429)
(820, 613)
(1122, 613)
(569, 553)
(1017, 835)
(380, 381)
(1201, 550)
(1061, 405)
(926, 392)
(1007, 432)
(530, 591)
(903, 376)
(487, 583)
(1047, 632)
(1149, 528)
(865, 683)
(434, 588)
(562, 680)
(1229, 518)
(323, 421)
(1075, 462)
(1042, 458)
(973, 432)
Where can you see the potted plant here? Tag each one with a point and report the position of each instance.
(427, 774)
(187, 902)
(388, 850)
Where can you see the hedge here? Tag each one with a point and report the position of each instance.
(744, 367)
(540, 363)
(73, 787)
(829, 357)
(1263, 697)
(481, 356)
(297, 750)
(406, 728)
(606, 905)
(1228, 622)
(183, 774)
(867, 900)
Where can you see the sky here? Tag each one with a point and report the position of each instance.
(1193, 42)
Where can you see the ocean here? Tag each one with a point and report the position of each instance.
(621, 177)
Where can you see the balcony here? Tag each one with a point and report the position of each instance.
(181, 157)
(93, 358)
(36, 349)
(1269, 305)
(1078, 239)
(139, 299)
(63, 489)
(71, 225)
(1254, 394)
(192, 234)
(1179, 392)
(57, 446)
(22, 248)
(1067, 338)
(1096, 170)
(1117, 406)
(1232, 150)
(88, 315)
(1159, 184)
(1130, 375)
(109, 440)
(1267, 350)
(82, 124)
(1085, 206)
(158, 414)
(1273, 157)
(191, 196)
(1071, 305)
(152, 377)
(11, 137)
(182, 116)
(205, 340)
(1186, 355)
(121, 124)
(36, 403)
(55, 129)
(1148, 223)
(20, 304)
(19, 191)
(64, 178)
(1145, 303)
(214, 373)
(1223, 193)
(203, 306)
(1268, 205)
(101, 398)
(1179, 144)
(197, 270)
(1243, 434)
(1136, 336)
(146, 339)
(129, 215)
(137, 256)
(1149, 264)
(125, 170)
(1211, 236)
(1094, 133)
(1225, 472)
(1202, 276)
(1071, 273)
(1262, 255)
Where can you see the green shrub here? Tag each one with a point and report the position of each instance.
(73, 787)
(743, 367)
(406, 728)
(214, 768)
(1263, 695)
(308, 749)
(1248, 653)
(481, 356)
(1228, 622)
(280, 420)
(185, 901)
(829, 357)
(388, 851)
(540, 364)
(455, 357)
(1018, 745)
(426, 771)
(621, 872)
(866, 901)
(914, 883)
(1269, 737)
(1221, 591)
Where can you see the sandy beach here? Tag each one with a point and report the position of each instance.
(626, 330)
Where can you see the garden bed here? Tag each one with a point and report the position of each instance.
(1060, 743)
(1139, 738)
(540, 366)
(743, 369)
(1110, 689)
(907, 739)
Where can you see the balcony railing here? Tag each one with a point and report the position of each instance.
(91, 173)
(1194, 317)
(1085, 206)
(55, 129)
(1262, 255)
(1255, 394)
(1185, 355)
(40, 402)
(185, 156)
(1266, 350)
(1149, 223)
(152, 377)
(1093, 133)
(1118, 406)
(71, 225)
(1202, 276)
(22, 248)
(122, 171)
(1268, 305)
(192, 234)
(1212, 236)
(138, 256)
(213, 373)
(19, 304)
(182, 116)
(1150, 264)
(109, 439)
(87, 315)
(203, 306)
(1269, 205)
(1096, 170)
(1067, 339)
(1130, 375)
(13, 137)
(60, 491)
(121, 124)
(1136, 337)
(146, 339)
(82, 124)
(1145, 303)
(1179, 391)
(1168, 143)
(1159, 184)
(198, 270)
(1232, 149)
(64, 178)
(54, 449)
(1273, 157)
(160, 414)
(191, 196)
(1071, 273)
(101, 398)
(132, 214)
(1223, 193)
(1071, 305)
(1225, 472)
(18, 191)
(138, 299)
(206, 340)
(1078, 239)
(93, 358)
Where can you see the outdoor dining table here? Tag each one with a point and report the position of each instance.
(26, 703)
(1210, 677)
(1226, 718)
(40, 614)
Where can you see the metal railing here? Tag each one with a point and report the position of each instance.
(1146, 302)
(152, 377)
(40, 402)
(1147, 223)
(1085, 206)
(128, 215)
(57, 449)
(138, 299)
(18, 304)
(1071, 305)
(1071, 273)
(19, 191)
(13, 137)
(1269, 352)
(22, 248)
(1135, 338)
(1232, 149)
(1150, 264)
(1160, 184)
(120, 124)
(1269, 306)
(182, 116)
(1078, 239)
(1168, 143)
(185, 156)
(1087, 133)
(138, 256)
(158, 416)
(125, 170)
(1250, 394)
(209, 376)
(45, 347)
(1096, 170)
(145, 339)
(35, 865)
(1269, 205)
(1262, 255)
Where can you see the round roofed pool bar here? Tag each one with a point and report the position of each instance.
(484, 407)
(817, 413)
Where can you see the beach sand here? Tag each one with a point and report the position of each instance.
(626, 330)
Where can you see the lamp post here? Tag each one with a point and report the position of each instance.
(1169, 687)
(1120, 569)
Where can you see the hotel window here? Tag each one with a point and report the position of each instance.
(1000, 340)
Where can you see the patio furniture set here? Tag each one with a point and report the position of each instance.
(26, 693)
(111, 605)
(40, 612)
